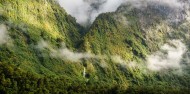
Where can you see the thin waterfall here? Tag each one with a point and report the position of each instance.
(84, 72)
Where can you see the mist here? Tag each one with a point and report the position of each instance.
(65, 53)
(119, 60)
(86, 11)
(69, 55)
(4, 37)
(169, 56)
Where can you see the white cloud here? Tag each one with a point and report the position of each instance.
(121, 19)
(124, 63)
(85, 11)
(42, 44)
(65, 53)
(168, 58)
(118, 59)
(4, 37)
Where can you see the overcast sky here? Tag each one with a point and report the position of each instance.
(86, 11)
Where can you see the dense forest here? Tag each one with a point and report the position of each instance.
(43, 50)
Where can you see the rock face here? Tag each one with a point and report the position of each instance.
(44, 50)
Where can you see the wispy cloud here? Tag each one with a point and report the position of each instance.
(124, 63)
(65, 53)
(169, 57)
(4, 37)
(85, 11)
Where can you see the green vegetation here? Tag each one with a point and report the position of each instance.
(15, 81)
(24, 68)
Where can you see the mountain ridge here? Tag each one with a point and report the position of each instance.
(50, 50)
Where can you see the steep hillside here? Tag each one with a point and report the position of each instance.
(130, 35)
(133, 50)
(125, 37)
(28, 22)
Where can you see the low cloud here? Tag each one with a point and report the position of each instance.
(124, 63)
(121, 19)
(42, 45)
(69, 55)
(86, 11)
(118, 59)
(4, 37)
(65, 53)
(169, 57)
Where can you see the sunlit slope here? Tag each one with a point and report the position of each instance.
(135, 34)
(124, 33)
(46, 51)
(28, 22)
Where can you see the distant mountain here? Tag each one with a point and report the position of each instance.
(136, 49)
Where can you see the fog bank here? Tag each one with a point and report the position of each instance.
(169, 57)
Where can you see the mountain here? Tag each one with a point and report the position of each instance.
(136, 49)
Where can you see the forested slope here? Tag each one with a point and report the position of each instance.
(43, 50)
